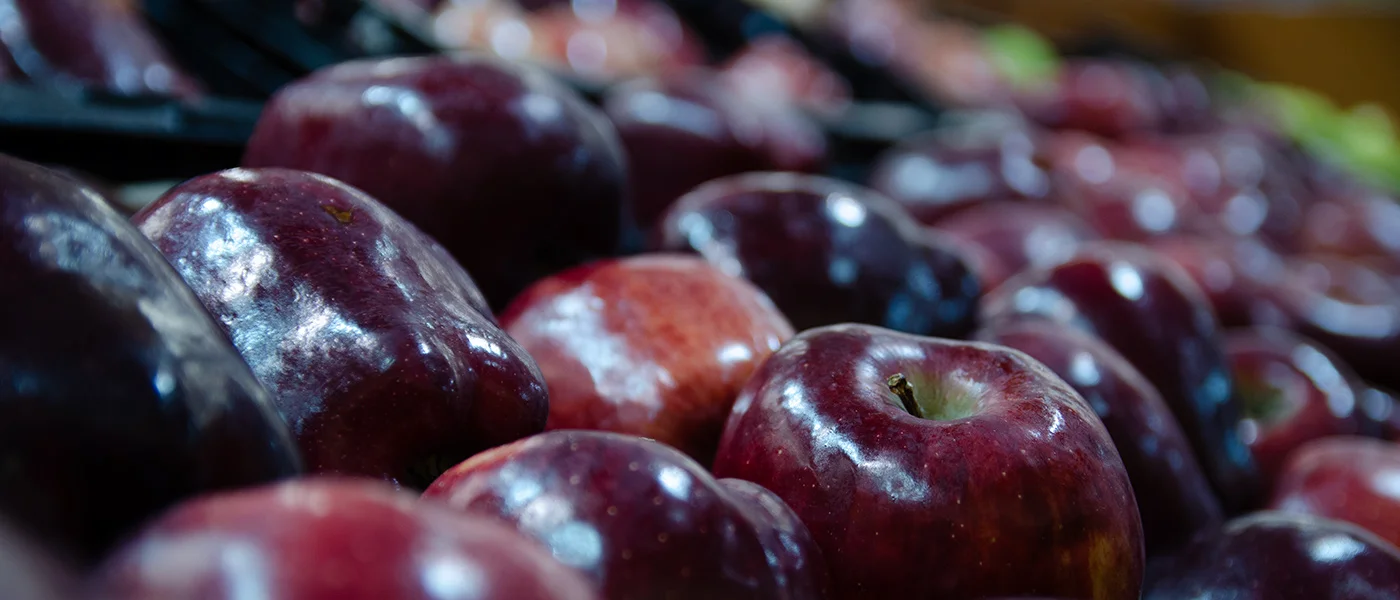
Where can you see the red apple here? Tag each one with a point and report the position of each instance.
(655, 345)
(509, 169)
(931, 468)
(330, 538)
(1236, 273)
(827, 252)
(683, 129)
(1018, 235)
(775, 69)
(1173, 494)
(1150, 312)
(1291, 390)
(380, 352)
(1351, 479)
(1278, 556)
(640, 519)
(1360, 225)
(1106, 97)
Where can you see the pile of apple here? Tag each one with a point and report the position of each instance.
(412, 349)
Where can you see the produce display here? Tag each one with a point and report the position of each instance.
(683, 299)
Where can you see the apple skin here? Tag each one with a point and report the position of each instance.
(653, 345)
(1346, 478)
(510, 170)
(1279, 556)
(1019, 235)
(640, 519)
(687, 128)
(102, 44)
(938, 174)
(1235, 273)
(324, 538)
(1106, 97)
(120, 395)
(1174, 497)
(827, 252)
(1150, 312)
(1380, 413)
(1345, 305)
(27, 572)
(377, 347)
(1292, 391)
(1027, 495)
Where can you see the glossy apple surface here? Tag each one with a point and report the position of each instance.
(1173, 495)
(103, 44)
(1005, 466)
(330, 538)
(1105, 97)
(1235, 273)
(1148, 310)
(640, 519)
(1278, 556)
(510, 170)
(121, 395)
(377, 347)
(1018, 235)
(28, 573)
(1345, 478)
(826, 252)
(653, 345)
(1291, 391)
(1380, 413)
(939, 174)
(1347, 306)
(683, 129)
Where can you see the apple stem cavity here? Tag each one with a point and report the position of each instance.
(899, 384)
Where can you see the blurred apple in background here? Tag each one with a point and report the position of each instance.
(1291, 391)
(775, 69)
(1104, 97)
(1380, 413)
(1350, 308)
(1018, 235)
(103, 44)
(937, 174)
(525, 180)
(1148, 310)
(1346, 478)
(684, 129)
(826, 252)
(1235, 273)
(1173, 495)
(119, 396)
(653, 345)
(1278, 556)
(935, 468)
(640, 519)
(379, 350)
(330, 538)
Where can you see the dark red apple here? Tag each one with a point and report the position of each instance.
(653, 345)
(1105, 97)
(1362, 225)
(1236, 273)
(1350, 479)
(330, 538)
(687, 128)
(1278, 556)
(1347, 306)
(379, 350)
(775, 69)
(640, 519)
(1148, 310)
(1292, 391)
(940, 173)
(119, 396)
(104, 43)
(929, 468)
(27, 572)
(510, 170)
(827, 252)
(1018, 235)
(1173, 495)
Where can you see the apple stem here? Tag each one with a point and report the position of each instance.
(899, 384)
